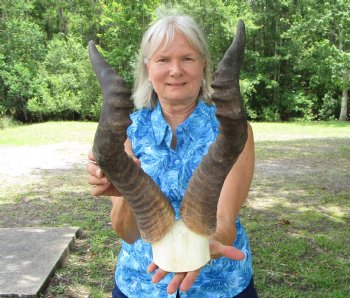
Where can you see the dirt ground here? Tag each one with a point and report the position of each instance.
(291, 177)
(21, 163)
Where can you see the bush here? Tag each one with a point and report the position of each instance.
(296, 106)
(329, 108)
(66, 86)
(6, 122)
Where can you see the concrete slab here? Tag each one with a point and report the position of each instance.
(29, 256)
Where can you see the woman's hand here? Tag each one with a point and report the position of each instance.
(100, 183)
(185, 280)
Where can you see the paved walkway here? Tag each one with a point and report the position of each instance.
(29, 256)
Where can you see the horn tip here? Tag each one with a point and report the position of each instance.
(241, 27)
(91, 44)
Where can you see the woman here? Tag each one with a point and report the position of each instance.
(168, 137)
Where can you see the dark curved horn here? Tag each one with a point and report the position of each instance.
(200, 202)
(152, 210)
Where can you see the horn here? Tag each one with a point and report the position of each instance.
(152, 210)
(199, 206)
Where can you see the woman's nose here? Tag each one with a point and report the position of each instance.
(176, 68)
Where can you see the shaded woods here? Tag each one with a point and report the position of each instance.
(296, 62)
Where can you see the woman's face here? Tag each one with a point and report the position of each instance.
(176, 72)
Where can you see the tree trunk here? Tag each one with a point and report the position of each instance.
(345, 97)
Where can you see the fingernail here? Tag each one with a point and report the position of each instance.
(98, 173)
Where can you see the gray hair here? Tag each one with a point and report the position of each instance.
(163, 30)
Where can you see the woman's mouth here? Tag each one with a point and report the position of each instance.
(176, 84)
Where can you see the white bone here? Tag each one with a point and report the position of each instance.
(181, 250)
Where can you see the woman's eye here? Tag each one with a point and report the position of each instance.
(188, 59)
(162, 60)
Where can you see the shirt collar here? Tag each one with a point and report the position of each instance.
(198, 118)
(160, 126)
(190, 125)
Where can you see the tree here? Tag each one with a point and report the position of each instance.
(79, 18)
(65, 86)
(29, 85)
(296, 60)
(122, 24)
(22, 48)
(323, 35)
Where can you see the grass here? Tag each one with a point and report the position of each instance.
(48, 133)
(298, 211)
(300, 130)
(297, 215)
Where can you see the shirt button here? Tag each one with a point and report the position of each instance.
(177, 162)
(173, 186)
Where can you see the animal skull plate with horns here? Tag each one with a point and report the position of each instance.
(153, 212)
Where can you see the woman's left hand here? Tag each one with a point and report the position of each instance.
(185, 280)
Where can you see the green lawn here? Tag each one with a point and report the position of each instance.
(299, 130)
(48, 133)
(67, 131)
(297, 214)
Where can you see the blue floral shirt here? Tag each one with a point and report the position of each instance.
(171, 169)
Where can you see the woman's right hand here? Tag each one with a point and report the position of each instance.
(100, 183)
(101, 186)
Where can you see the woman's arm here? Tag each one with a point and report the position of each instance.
(234, 192)
(122, 218)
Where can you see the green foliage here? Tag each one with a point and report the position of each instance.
(44, 78)
(122, 25)
(6, 122)
(296, 61)
(247, 89)
(75, 17)
(218, 20)
(21, 50)
(322, 35)
(329, 107)
(303, 47)
(296, 106)
(65, 83)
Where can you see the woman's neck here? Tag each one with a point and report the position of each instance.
(176, 114)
